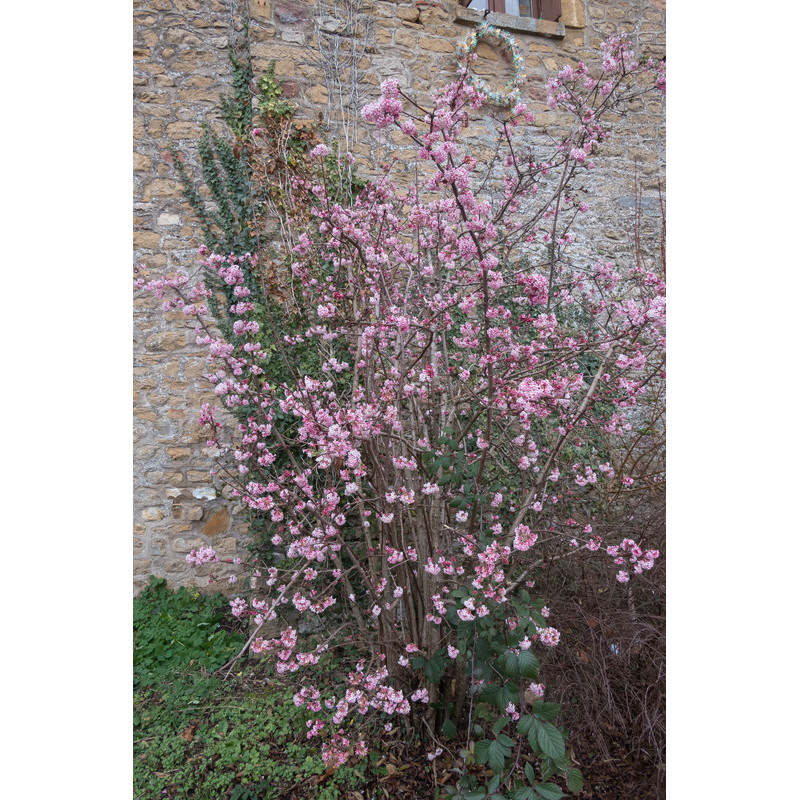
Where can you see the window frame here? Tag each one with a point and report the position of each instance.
(549, 10)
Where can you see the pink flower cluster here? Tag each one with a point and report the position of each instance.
(446, 418)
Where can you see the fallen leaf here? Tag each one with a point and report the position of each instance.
(188, 733)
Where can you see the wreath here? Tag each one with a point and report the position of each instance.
(507, 44)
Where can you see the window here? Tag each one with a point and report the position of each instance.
(536, 9)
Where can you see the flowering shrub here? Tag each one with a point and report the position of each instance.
(468, 383)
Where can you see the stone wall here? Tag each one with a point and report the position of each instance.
(181, 67)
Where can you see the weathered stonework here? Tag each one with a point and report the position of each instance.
(180, 69)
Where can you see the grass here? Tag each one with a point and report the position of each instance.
(198, 737)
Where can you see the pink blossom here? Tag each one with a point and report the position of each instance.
(548, 636)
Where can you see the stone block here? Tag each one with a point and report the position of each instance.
(218, 523)
(141, 163)
(160, 188)
(226, 546)
(198, 96)
(572, 14)
(319, 94)
(146, 240)
(486, 51)
(408, 14)
(153, 513)
(180, 545)
(184, 130)
(434, 18)
(148, 451)
(436, 45)
(406, 39)
(291, 13)
(261, 9)
(166, 341)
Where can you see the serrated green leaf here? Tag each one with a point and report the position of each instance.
(508, 694)
(508, 664)
(449, 728)
(574, 779)
(550, 740)
(482, 649)
(528, 664)
(497, 756)
(475, 795)
(490, 694)
(549, 791)
(538, 619)
(482, 750)
(561, 763)
(546, 711)
(524, 724)
(530, 774)
(434, 669)
(524, 793)
(500, 724)
(494, 783)
(506, 741)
